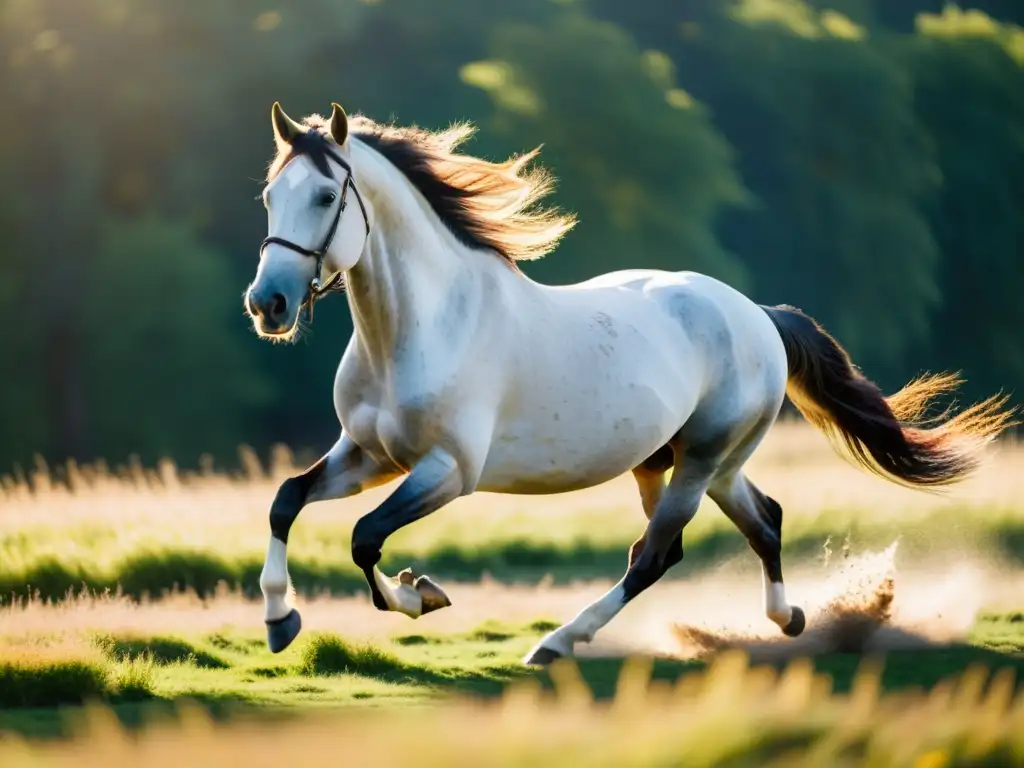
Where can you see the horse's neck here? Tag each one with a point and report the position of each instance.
(402, 283)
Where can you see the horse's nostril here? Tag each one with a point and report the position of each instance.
(277, 305)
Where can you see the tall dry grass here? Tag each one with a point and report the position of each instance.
(146, 529)
(795, 465)
(95, 517)
(730, 714)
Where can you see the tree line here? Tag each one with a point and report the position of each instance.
(862, 159)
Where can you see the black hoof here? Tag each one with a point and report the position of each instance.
(797, 622)
(542, 657)
(281, 632)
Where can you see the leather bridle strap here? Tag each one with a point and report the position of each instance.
(316, 290)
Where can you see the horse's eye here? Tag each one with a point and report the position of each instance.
(326, 199)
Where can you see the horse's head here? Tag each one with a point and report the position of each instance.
(314, 233)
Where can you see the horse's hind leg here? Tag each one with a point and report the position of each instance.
(659, 549)
(759, 518)
(650, 481)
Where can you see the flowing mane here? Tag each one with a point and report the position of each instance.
(487, 206)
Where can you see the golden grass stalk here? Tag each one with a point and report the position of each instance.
(729, 712)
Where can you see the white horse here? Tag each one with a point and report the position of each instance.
(463, 374)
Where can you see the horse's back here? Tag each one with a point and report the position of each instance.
(620, 364)
(731, 342)
(730, 328)
(745, 364)
(718, 344)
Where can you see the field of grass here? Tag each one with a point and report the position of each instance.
(216, 695)
(146, 532)
(929, 587)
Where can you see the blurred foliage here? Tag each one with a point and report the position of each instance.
(168, 349)
(858, 158)
(735, 710)
(654, 208)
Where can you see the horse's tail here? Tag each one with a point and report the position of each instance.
(889, 436)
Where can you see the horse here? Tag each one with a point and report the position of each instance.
(462, 374)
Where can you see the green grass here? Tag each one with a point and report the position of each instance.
(730, 714)
(55, 677)
(144, 533)
(32, 561)
(231, 675)
(51, 683)
(161, 649)
(142, 536)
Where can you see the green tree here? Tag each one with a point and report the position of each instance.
(833, 154)
(153, 118)
(811, 151)
(163, 368)
(25, 425)
(902, 15)
(636, 156)
(970, 96)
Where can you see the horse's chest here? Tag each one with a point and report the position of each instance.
(403, 432)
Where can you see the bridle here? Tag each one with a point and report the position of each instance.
(317, 290)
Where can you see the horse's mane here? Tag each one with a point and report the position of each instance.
(485, 205)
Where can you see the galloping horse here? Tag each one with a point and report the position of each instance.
(463, 374)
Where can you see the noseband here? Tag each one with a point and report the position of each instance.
(316, 290)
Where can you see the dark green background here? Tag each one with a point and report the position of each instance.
(853, 157)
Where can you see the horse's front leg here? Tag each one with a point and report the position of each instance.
(435, 481)
(343, 471)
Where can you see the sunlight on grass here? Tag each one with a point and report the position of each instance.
(68, 668)
(138, 589)
(328, 654)
(146, 531)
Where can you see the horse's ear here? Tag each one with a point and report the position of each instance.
(285, 129)
(339, 124)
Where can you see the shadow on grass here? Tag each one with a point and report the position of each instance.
(328, 654)
(52, 683)
(162, 650)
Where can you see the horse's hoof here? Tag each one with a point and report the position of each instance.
(797, 623)
(542, 656)
(281, 632)
(432, 594)
(410, 594)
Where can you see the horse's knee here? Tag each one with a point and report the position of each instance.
(766, 544)
(768, 547)
(291, 497)
(366, 543)
(650, 564)
(287, 505)
(765, 534)
(772, 511)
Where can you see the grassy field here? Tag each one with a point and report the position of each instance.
(927, 586)
(146, 532)
(486, 709)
